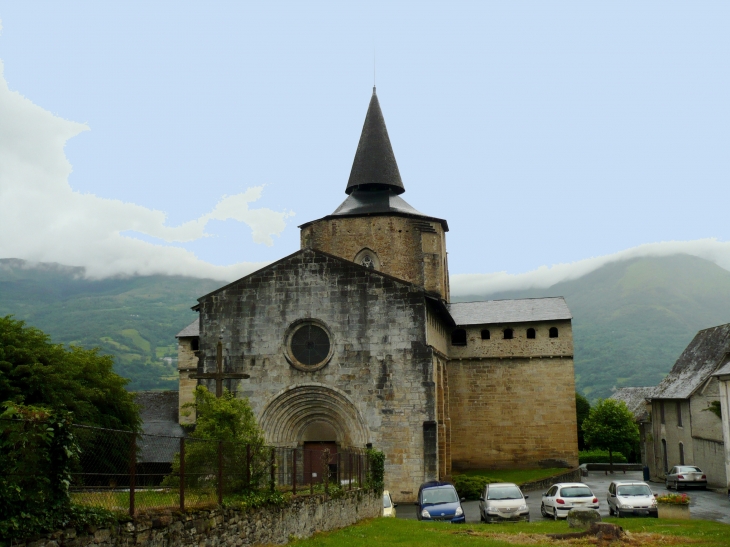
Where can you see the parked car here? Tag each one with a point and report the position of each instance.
(439, 501)
(388, 505)
(564, 496)
(682, 476)
(631, 499)
(503, 501)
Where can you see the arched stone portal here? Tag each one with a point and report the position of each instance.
(297, 413)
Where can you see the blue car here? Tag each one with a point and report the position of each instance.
(439, 501)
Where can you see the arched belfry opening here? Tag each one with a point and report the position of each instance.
(313, 413)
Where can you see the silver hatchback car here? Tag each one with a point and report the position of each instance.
(503, 501)
(631, 499)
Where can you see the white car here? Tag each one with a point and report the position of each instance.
(388, 505)
(631, 499)
(564, 496)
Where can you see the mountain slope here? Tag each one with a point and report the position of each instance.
(632, 319)
(135, 319)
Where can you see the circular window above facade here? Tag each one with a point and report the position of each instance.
(309, 345)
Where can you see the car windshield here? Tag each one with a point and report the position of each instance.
(504, 493)
(445, 494)
(576, 492)
(386, 501)
(689, 470)
(633, 490)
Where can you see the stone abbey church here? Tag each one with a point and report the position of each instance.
(352, 341)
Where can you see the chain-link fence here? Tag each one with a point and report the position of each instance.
(125, 471)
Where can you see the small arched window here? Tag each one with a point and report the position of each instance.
(458, 337)
(509, 334)
(485, 334)
(553, 332)
(531, 333)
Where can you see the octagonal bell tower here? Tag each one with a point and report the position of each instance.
(374, 226)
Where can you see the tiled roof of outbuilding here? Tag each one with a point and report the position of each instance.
(723, 370)
(510, 311)
(193, 329)
(703, 356)
(635, 399)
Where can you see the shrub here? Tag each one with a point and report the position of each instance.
(376, 473)
(674, 499)
(471, 487)
(599, 456)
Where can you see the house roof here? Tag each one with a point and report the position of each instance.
(374, 166)
(160, 427)
(510, 311)
(706, 353)
(723, 370)
(193, 329)
(635, 399)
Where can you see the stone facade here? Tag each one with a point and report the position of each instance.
(265, 526)
(410, 249)
(187, 365)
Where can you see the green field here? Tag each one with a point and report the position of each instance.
(396, 532)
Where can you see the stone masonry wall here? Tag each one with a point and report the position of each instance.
(187, 364)
(380, 373)
(409, 249)
(495, 421)
(263, 526)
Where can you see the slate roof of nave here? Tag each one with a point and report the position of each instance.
(510, 311)
(635, 399)
(193, 329)
(707, 352)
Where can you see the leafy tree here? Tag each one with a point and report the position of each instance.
(610, 426)
(582, 409)
(226, 431)
(33, 371)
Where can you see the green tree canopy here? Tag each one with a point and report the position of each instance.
(34, 371)
(582, 409)
(226, 418)
(610, 426)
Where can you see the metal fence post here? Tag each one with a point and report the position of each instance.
(132, 472)
(220, 472)
(182, 473)
(359, 470)
(294, 472)
(338, 470)
(350, 469)
(311, 478)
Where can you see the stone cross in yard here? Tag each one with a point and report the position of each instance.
(219, 375)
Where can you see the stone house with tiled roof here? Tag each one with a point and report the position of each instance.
(353, 341)
(684, 430)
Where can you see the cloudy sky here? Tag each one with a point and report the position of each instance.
(194, 137)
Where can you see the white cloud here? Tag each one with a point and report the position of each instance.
(544, 276)
(43, 220)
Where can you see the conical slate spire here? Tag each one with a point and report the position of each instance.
(374, 167)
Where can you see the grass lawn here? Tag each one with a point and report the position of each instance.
(517, 476)
(644, 532)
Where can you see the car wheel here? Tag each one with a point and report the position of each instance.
(610, 511)
(542, 510)
(667, 485)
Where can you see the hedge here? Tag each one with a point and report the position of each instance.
(599, 456)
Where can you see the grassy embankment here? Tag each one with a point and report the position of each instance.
(517, 476)
(396, 532)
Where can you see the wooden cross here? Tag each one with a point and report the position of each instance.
(219, 375)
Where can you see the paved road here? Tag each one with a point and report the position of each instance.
(704, 504)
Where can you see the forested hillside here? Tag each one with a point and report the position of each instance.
(632, 319)
(135, 319)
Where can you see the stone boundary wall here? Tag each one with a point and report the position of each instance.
(573, 475)
(218, 527)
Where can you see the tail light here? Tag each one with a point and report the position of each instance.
(595, 500)
(704, 476)
(561, 502)
(680, 476)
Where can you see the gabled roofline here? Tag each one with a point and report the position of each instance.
(317, 251)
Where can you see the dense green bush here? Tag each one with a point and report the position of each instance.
(376, 472)
(599, 456)
(471, 487)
